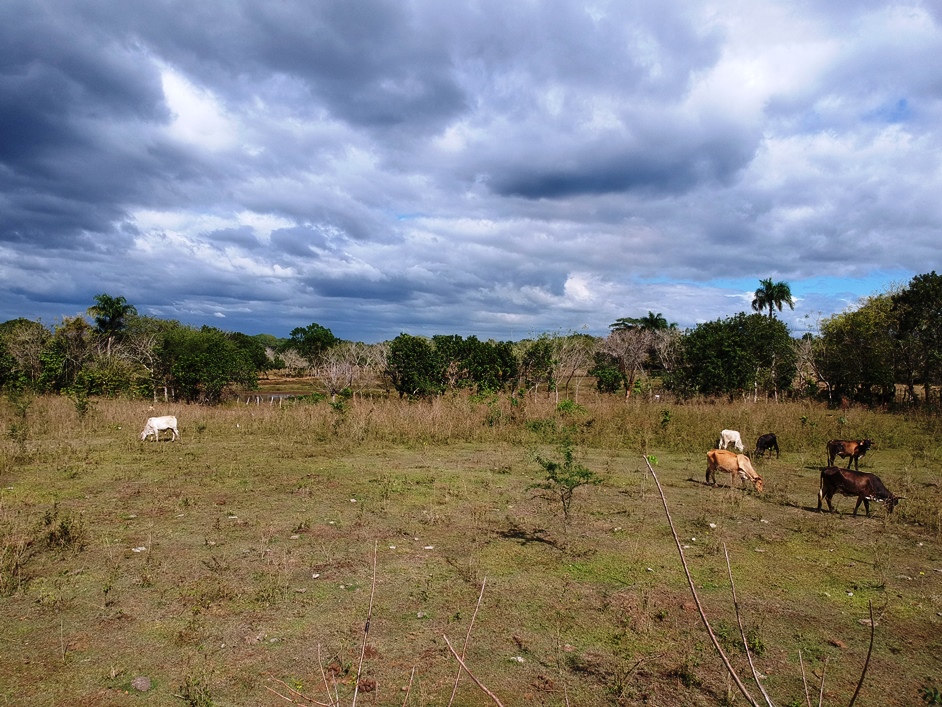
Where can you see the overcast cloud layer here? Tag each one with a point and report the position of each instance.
(489, 168)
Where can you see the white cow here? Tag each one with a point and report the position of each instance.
(728, 437)
(154, 425)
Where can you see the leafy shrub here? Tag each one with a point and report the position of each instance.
(563, 478)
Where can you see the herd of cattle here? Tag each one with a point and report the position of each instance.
(866, 487)
(855, 483)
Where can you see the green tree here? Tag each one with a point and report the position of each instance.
(854, 354)
(66, 352)
(253, 348)
(110, 314)
(918, 312)
(471, 363)
(772, 295)
(198, 365)
(608, 375)
(413, 366)
(311, 341)
(740, 354)
(8, 374)
(25, 341)
(538, 363)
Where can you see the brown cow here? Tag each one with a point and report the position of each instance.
(851, 448)
(738, 466)
(866, 487)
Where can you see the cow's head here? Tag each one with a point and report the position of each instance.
(866, 444)
(759, 484)
(889, 501)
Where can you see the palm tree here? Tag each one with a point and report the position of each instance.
(771, 295)
(110, 315)
(650, 322)
(655, 322)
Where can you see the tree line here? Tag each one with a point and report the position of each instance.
(891, 341)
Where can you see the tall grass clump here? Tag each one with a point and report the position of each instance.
(15, 547)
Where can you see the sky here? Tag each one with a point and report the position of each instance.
(488, 168)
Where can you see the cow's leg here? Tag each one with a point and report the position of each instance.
(862, 499)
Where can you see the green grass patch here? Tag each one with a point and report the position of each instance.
(242, 555)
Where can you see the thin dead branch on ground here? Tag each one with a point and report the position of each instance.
(304, 699)
(470, 674)
(467, 638)
(409, 687)
(696, 598)
(742, 630)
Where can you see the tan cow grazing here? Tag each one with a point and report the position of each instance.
(737, 465)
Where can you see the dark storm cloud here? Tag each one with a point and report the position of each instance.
(483, 168)
(243, 237)
(655, 168)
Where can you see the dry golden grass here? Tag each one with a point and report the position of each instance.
(241, 558)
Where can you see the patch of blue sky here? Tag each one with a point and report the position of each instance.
(873, 283)
(892, 112)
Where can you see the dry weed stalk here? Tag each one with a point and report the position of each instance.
(409, 687)
(472, 675)
(366, 630)
(467, 639)
(732, 671)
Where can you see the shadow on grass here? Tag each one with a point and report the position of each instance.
(525, 537)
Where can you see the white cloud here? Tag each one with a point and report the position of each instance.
(199, 118)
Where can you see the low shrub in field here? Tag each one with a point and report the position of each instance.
(563, 478)
(62, 532)
(21, 538)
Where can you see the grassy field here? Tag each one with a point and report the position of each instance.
(239, 560)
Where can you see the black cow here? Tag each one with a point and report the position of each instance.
(851, 448)
(767, 443)
(866, 487)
